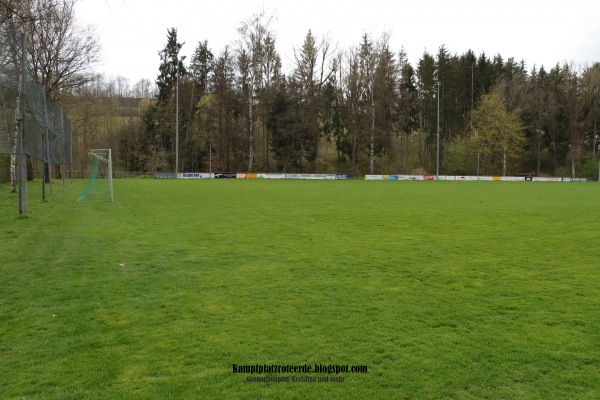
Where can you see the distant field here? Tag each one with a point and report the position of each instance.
(444, 290)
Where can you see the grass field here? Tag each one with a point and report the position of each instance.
(444, 290)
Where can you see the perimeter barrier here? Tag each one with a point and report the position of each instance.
(232, 175)
(30, 124)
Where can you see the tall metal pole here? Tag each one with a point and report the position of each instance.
(437, 169)
(22, 170)
(177, 124)
(46, 158)
(44, 166)
(62, 162)
(110, 176)
(44, 139)
(598, 154)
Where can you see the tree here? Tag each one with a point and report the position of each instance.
(286, 137)
(385, 84)
(427, 89)
(159, 117)
(538, 109)
(579, 95)
(142, 89)
(122, 86)
(10, 63)
(590, 88)
(312, 72)
(224, 110)
(195, 88)
(171, 66)
(271, 77)
(255, 55)
(202, 66)
(353, 94)
(496, 132)
(465, 91)
(332, 114)
(62, 52)
(408, 110)
(368, 63)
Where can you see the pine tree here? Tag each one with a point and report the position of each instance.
(312, 74)
(171, 65)
(202, 66)
(160, 120)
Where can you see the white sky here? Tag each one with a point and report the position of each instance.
(547, 32)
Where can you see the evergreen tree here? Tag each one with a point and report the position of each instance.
(284, 125)
(171, 65)
(226, 112)
(353, 95)
(271, 78)
(386, 98)
(466, 65)
(427, 90)
(450, 118)
(407, 93)
(312, 73)
(160, 118)
(368, 63)
(202, 66)
(332, 115)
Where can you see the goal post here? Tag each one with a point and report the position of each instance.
(99, 186)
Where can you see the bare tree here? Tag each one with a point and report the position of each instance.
(368, 63)
(62, 52)
(253, 48)
(122, 86)
(141, 89)
(10, 67)
(353, 87)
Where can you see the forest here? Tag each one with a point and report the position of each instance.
(357, 111)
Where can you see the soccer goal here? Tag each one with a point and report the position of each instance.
(99, 186)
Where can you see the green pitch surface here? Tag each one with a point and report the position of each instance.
(444, 290)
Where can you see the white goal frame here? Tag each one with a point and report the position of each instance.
(104, 156)
(99, 153)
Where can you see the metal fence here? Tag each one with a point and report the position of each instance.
(30, 125)
(46, 132)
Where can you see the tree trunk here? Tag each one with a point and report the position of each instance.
(539, 152)
(250, 133)
(353, 152)
(13, 155)
(29, 169)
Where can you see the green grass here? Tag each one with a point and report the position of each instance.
(445, 290)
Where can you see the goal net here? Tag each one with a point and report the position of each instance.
(99, 186)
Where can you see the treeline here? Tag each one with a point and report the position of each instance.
(363, 110)
(99, 86)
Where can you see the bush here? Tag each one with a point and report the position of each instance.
(457, 160)
(589, 169)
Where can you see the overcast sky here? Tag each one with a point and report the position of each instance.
(547, 32)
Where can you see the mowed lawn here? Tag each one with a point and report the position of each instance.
(444, 290)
